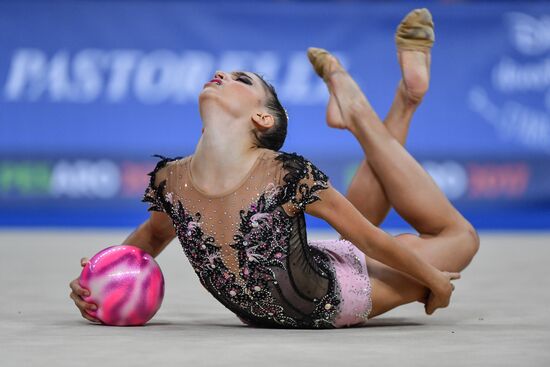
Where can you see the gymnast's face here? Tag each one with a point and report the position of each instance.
(239, 94)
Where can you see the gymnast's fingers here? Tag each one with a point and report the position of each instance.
(76, 288)
(453, 276)
(81, 304)
(88, 317)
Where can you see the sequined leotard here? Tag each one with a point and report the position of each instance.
(253, 256)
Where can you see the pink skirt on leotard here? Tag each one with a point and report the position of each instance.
(352, 278)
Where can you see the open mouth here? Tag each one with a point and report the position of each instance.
(217, 81)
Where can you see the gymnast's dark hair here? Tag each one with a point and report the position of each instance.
(273, 138)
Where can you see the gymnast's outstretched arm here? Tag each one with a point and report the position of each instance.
(377, 244)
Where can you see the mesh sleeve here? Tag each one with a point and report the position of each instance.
(303, 180)
(157, 183)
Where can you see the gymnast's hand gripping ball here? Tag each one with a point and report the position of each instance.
(125, 283)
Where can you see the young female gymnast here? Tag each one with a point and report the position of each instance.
(237, 204)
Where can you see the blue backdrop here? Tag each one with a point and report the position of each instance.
(90, 90)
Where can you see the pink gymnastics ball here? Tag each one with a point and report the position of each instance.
(125, 283)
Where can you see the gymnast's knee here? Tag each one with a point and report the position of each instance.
(474, 236)
(469, 238)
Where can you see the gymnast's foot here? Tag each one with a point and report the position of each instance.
(324, 63)
(414, 39)
(332, 72)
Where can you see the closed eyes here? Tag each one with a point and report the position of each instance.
(243, 78)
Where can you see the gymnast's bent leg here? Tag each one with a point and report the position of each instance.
(446, 239)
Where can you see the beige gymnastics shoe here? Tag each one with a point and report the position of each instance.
(416, 31)
(323, 62)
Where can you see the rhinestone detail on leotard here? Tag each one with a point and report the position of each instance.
(260, 243)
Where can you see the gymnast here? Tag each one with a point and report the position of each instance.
(237, 204)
